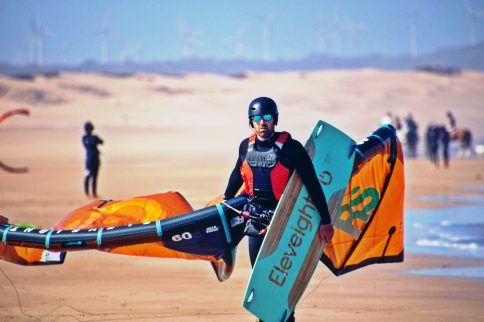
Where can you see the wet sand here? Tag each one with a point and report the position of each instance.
(192, 151)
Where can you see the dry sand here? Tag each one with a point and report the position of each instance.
(182, 133)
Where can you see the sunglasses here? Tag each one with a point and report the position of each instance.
(258, 118)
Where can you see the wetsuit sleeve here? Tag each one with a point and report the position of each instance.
(99, 140)
(305, 168)
(235, 180)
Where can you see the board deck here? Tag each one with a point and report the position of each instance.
(291, 249)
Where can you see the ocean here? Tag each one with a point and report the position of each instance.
(456, 231)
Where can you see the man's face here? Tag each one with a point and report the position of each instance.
(263, 126)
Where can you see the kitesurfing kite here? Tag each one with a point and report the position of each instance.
(18, 111)
(368, 228)
(3, 117)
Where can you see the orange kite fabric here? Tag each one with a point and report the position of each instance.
(369, 227)
(106, 214)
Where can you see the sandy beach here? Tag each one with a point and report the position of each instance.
(181, 133)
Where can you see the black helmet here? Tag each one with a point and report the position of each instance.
(88, 127)
(262, 106)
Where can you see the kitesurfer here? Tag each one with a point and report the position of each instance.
(265, 162)
(90, 142)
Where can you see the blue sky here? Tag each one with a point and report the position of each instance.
(147, 30)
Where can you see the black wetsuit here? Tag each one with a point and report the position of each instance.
(292, 156)
(93, 161)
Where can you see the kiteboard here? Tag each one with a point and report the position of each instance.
(291, 249)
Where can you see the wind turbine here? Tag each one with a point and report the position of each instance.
(189, 40)
(413, 19)
(237, 42)
(104, 32)
(352, 29)
(267, 32)
(268, 29)
(37, 33)
(336, 26)
(347, 27)
(130, 52)
(474, 15)
(320, 30)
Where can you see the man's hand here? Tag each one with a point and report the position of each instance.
(326, 233)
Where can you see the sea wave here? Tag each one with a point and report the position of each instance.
(453, 231)
(447, 244)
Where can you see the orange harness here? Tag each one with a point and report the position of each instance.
(256, 160)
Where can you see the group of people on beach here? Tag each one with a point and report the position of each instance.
(437, 137)
(407, 131)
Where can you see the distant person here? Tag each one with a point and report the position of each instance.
(394, 120)
(444, 137)
(397, 123)
(411, 135)
(432, 144)
(452, 121)
(90, 142)
(462, 135)
(437, 137)
(387, 118)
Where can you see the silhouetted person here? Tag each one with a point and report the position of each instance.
(444, 141)
(93, 162)
(452, 121)
(387, 118)
(432, 144)
(411, 136)
(437, 137)
(397, 123)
